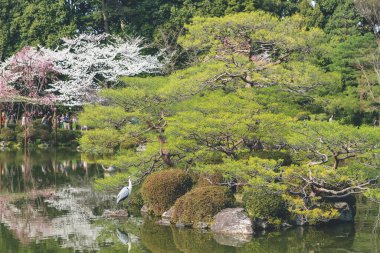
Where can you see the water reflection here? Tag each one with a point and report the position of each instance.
(67, 217)
(124, 239)
(26, 171)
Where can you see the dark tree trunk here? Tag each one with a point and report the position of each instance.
(105, 16)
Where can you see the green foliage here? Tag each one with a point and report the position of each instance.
(206, 179)
(332, 143)
(263, 203)
(234, 31)
(161, 189)
(313, 15)
(111, 183)
(100, 141)
(344, 20)
(67, 136)
(33, 23)
(7, 134)
(252, 106)
(201, 204)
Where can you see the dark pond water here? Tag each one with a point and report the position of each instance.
(34, 220)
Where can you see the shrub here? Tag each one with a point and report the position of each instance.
(136, 199)
(66, 136)
(201, 204)
(263, 203)
(161, 189)
(43, 135)
(7, 135)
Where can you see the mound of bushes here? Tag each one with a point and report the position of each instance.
(201, 204)
(263, 203)
(161, 189)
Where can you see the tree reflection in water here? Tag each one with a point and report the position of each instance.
(35, 204)
(34, 170)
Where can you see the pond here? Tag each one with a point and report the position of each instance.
(32, 219)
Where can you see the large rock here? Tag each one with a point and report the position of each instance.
(232, 221)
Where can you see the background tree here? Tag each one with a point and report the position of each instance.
(89, 62)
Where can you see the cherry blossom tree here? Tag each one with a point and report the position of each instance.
(89, 62)
(73, 74)
(26, 76)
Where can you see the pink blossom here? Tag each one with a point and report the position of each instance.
(30, 71)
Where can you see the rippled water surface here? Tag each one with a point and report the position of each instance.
(47, 205)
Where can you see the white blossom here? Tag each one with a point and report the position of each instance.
(89, 61)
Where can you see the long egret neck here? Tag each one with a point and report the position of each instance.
(129, 184)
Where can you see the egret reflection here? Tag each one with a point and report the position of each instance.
(124, 239)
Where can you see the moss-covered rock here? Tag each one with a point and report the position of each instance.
(262, 203)
(161, 189)
(201, 204)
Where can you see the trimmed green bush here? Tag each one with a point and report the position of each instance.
(161, 189)
(263, 203)
(136, 199)
(7, 135)
(201, 204)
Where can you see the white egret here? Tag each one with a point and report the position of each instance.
(125, 192)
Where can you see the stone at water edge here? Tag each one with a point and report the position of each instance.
(168, 214)
(201, 225)
(232, 221)
(166, 217)
(114, 214)
(144, 209)
(163, 222)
